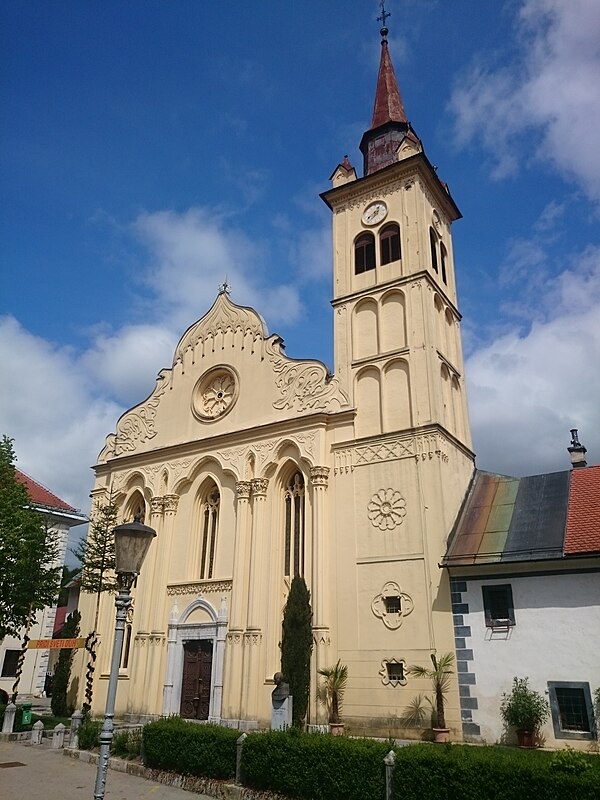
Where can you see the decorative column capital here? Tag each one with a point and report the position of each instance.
(157, 505)
(171, 501)
(259, 486)
(243, 489)
(319, 476)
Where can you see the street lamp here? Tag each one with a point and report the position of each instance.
(132, 541)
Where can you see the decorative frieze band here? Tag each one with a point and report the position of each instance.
(421, 447)
(199, 587)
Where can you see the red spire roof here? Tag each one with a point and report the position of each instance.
(388, 102)
(40, 495)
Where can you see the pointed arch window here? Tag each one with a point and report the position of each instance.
(389, 243)
(364, 253)
(443, 259)
(294, 526)
(433, 245)
(210, 526)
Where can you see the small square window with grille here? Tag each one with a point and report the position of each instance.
(9, 666)
(393, 604)
(395, 671)
(571, 706)
(498, 605)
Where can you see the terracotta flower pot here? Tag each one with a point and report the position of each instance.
(526, 738)
(441, 734)
(336, 728)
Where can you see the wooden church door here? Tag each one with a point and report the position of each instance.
(195, 687)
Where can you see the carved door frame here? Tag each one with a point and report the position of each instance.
(180, 632)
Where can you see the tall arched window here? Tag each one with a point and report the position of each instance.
(294, 526)
(210, 525)
(364, 253)
(389, 243)
(443, 257)
(433, 244)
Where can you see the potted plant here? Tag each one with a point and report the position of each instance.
(525, 710)
(331, 693)
(439, 675)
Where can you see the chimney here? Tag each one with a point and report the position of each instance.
(577, 451)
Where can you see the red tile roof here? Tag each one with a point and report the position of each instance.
(583, 516)
(40, 495)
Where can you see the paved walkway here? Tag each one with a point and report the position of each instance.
(48, 774)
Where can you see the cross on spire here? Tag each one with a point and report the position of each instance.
(384, 15)
(225, 288)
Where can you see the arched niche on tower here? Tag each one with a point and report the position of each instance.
(457, 407)
(450, 327)
(364, 329)
(393, 321)
(447, 398)
(440, 323)
(397, 412)
(368, 402)
(135, 506)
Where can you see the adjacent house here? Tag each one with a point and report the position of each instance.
(60, 517)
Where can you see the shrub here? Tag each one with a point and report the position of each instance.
(190, 749)
(127, 743)
(89, 733)
(312, 765)
(454, 772)
(571, 761)
(524, 708)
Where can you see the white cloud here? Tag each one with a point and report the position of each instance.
(527, 390)
(53, 412)
(551, 88)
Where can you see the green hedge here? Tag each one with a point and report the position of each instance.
(178, 746)
(454, 772)
(315, 766)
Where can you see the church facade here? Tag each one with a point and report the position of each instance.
(253, 467)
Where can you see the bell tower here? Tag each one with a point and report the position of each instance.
(397, 344)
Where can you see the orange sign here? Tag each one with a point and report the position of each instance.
(55, 644)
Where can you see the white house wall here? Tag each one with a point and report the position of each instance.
(555, 638)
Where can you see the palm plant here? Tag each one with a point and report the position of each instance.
(331, 691)
(440, 677)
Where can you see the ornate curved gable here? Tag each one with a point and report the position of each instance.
(224, 317)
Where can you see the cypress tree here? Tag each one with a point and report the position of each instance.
(296, 647)
(62, 671)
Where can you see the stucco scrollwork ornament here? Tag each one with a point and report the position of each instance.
(137, 425)
(386, 509)
(214, 394)
(391, 605)
(304, 385)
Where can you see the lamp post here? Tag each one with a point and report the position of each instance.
(132, 541)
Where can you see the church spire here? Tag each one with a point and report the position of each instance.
(388, 101)
(389, 124)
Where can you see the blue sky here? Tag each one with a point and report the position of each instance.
(149, 148)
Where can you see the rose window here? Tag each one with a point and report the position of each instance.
(215, 394)
(387, 509)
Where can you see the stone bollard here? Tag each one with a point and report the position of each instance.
(37, 732)
(238, 758)
(76, 720)
(390, 763)
(58, 736)
(9, 718)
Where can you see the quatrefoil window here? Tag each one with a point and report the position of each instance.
(391, 605)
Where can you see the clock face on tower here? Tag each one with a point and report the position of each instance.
(374, 213)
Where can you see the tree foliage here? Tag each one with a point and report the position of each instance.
(62, 671)
(296, 647)
(97, 551)
(29, 581)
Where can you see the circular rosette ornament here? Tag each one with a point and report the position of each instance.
(387, 509)
(214, 394)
